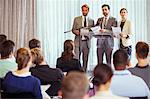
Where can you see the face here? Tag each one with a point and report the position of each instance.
(105, 11)
(123, 14)
(85, 11)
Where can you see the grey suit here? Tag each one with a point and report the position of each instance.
(81, 46)
(105, 44)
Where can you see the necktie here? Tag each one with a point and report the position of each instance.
(105, 21)
(84, 21)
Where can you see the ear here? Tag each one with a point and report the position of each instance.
(60, 93)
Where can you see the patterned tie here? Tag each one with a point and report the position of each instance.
(105, 23)
(84, 21)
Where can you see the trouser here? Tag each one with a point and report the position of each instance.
(82, 49)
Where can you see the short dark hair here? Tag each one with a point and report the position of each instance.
(6, 48)
(102, 74)
(142, 49)
(106, 5)
(34, 43)
(120, 59)
(2, 38)
(123, 9)
(74, 85)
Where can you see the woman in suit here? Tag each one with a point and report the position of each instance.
(126, 32)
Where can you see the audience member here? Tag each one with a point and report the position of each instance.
(66, 62)
(7, 61)
(34, 43)
(75, 86)
(102, 78)
(21, 80)
(46, 74)
(142, 69)
(2, 39)
(123, 82)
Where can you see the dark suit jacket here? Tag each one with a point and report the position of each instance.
(111, 22)
(50, 76)
(70, 65)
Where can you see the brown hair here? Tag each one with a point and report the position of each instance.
(7, 47)
(37, 56)
(120, 59)
(123, 9)
(34, 43)
(102, 74)
(23, 57)
(68, 50)
(142, 50)
(74, 85)
(85, 5)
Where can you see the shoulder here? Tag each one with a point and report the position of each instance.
(112, 18)
(34, 79)
(76, 60)
(100, 18)
(9, 74)
(78, 18)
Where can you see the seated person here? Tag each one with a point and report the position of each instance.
(46, 74)
(75, 86)
(7, 61)
(66, 62)
(21, 80)
(34, 43)
(123, 82)
(142, 69)
(102, 78)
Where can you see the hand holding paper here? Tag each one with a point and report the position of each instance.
(116, 31)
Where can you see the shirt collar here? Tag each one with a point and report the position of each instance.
(122, 72)
(22, 75)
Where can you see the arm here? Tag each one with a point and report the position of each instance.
(129, 31)
(37, 89)
(74, 28)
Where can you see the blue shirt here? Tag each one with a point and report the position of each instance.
(16, 84)
(128, 85)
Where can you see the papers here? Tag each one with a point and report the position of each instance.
(96, 30)
(84, 33)
(116, 31)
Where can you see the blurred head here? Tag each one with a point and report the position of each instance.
(105, 9)
(85, 10)
(7, 49)
(123, 13)
(68, 49)
(75, 85)
(37, 56)
(120, 60)
(34, 43)
(142, 50)
(2, 38)
(102, 74)
(23, 58)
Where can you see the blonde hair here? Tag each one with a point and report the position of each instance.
(37, 56)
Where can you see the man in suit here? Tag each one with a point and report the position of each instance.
(82, 44)
(105, 42)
